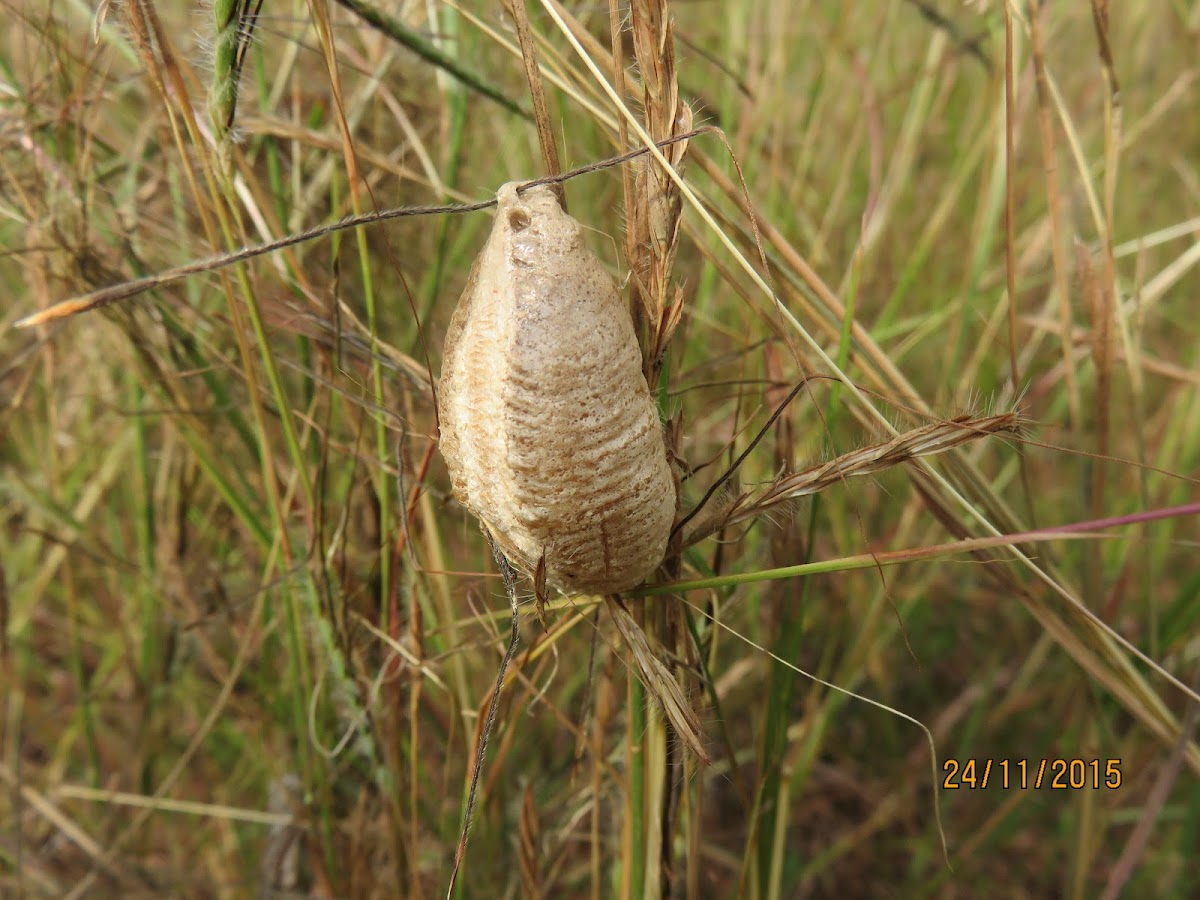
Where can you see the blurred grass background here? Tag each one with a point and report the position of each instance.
(247, 634)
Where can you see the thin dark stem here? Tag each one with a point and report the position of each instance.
(125, 290)
(510, 586)
(716, 486)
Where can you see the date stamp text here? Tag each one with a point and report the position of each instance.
(1023, 774)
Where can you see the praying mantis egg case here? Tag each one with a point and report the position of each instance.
(548, 427)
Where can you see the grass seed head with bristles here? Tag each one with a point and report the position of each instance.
(653, 223)
(233, 24)
(928, 440)
(223, 89)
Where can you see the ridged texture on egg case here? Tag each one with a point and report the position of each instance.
(547, 425)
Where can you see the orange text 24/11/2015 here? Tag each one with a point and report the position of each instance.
(1055, 774)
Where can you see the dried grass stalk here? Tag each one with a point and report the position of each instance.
(660, 682)
(654, 219)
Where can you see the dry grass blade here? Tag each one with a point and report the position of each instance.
(658, 679)
(541, 114)
(66, 827)
(1138, 843)
(426, 49)
(1054, 204)
(529, 834)
(5, 616)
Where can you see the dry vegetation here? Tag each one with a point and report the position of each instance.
(247, 638)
